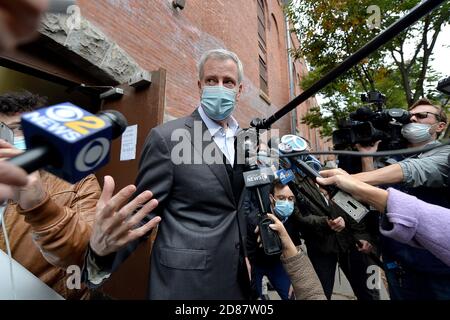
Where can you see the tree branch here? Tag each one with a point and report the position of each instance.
(428, 51)
(405, 79)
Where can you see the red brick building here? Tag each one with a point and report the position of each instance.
(82, 59)
(157, 35)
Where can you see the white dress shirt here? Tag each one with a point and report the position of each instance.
(224, 138)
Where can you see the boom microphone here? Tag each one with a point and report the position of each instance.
(68, 141)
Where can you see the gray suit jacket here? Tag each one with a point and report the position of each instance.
(197, 253)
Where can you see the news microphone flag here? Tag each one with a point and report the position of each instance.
(79, 142)
(285, 176)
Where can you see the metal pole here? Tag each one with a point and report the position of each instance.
(291, 76)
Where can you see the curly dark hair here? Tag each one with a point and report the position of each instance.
(19, 102)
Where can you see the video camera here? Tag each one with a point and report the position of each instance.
(366, 126)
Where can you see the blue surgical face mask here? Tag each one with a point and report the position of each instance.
(417, 132)
(218, 102)
(284, 208)
(19, 143)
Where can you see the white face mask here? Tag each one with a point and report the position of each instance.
(417, 132)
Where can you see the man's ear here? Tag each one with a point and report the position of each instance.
(240, 88)
(272, 200)
(199, 87)
(441, 127)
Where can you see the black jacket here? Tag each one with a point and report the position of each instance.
(312, 220)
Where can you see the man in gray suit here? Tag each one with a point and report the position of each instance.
(190, 166)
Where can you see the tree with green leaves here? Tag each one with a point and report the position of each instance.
(330, 31)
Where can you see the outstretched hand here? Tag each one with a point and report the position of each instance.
(341, 179)
(361, 191)
(115, 224)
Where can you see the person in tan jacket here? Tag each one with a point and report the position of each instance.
(49, 222)
(304, 279)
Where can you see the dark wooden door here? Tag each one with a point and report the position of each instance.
(144, 108)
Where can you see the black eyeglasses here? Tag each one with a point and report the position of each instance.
(424, 115)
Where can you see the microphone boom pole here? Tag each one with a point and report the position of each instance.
(392, 31)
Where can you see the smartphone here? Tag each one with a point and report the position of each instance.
(270, 239)
(60, 6)
(6, 133)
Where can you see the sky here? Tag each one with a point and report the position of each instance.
(442, 52)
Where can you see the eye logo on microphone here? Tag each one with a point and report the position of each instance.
(292, 142)
(92, 155)
(75, 119)
(64, 113)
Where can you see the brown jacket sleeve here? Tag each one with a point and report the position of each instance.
(62, 228)
(304, 279)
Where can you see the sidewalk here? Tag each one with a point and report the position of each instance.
(342, 290)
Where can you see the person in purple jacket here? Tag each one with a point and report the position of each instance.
(410, 220)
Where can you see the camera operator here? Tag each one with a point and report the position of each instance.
(428, 169)
(415, 273)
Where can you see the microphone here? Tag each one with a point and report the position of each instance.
(310, 166)
(254, 178)
(68, 141)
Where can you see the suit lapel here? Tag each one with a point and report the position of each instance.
(200, 143)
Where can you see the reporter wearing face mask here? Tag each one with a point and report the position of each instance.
(281, 202)
(428, 169)
(414, 273)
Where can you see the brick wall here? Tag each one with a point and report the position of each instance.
(156, 35)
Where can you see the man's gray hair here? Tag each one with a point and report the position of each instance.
(220, 54)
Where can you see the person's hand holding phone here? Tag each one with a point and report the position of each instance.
(289, 249)
(27, 196)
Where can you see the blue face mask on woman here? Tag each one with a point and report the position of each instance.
(218, 102)
(284, 208)
(19, 143)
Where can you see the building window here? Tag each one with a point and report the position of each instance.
(263, 75)
(262, 45)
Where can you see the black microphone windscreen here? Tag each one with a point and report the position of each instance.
(118, 121)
